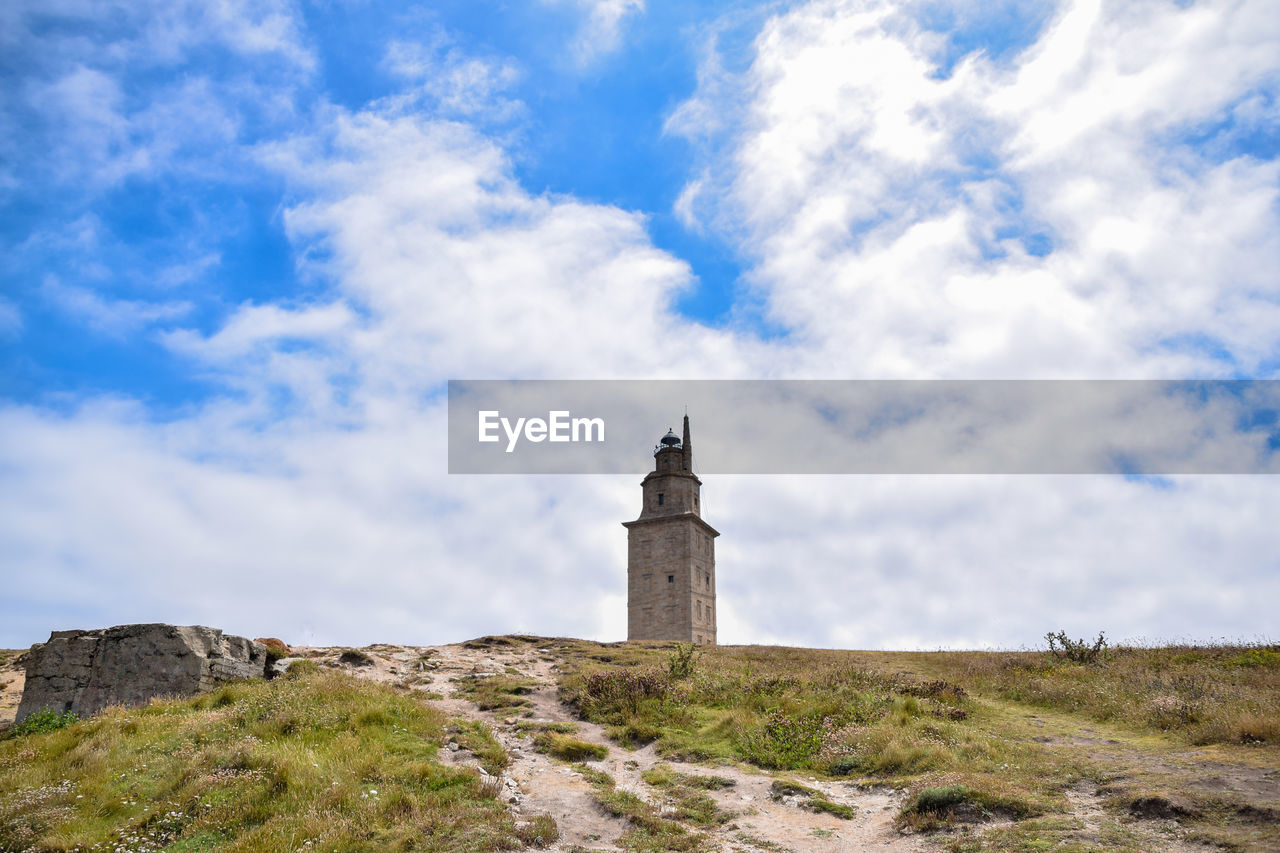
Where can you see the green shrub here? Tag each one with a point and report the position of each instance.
(709, 783)
(1063, 647)
(937, 807)
(790, 788)
(355, 657)
(564, 728)
(615, 695)
(477, 737)
(635, 734)
(682, 661)
(44, 720)
(941, 800)
(845, 765)
(784, 741)
(810, 798)
(299, 668)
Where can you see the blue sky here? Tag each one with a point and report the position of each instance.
(247, 243)
(207, 223)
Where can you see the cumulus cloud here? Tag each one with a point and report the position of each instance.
(318, 534)
(422, 225)
(1028, 217)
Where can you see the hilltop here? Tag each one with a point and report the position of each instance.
(517, 741)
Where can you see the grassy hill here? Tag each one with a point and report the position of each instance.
(1015, 751)
(1188, 734)
(317, 760)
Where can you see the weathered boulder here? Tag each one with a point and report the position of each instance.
(86, 671)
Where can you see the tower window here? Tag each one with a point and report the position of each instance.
(661, 498)
(671, 578)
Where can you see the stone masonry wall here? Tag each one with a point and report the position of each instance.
(682, 549)
(86, 671)
(671, 564)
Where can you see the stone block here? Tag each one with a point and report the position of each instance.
(86, 671)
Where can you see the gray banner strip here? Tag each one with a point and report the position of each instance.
(1149, 427)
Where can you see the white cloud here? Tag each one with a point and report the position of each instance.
(601, 29)
(466, 274)
(101, 138)
(884, 201)
(452, 81)
(112, 317)
(79, 115)
(254, 328)
(899, 562)
(188, 271)
(159, 32)
(686, 204)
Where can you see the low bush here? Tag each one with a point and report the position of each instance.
(1063, 647)
(355, 657)
(276, 648)
(615, 695)
(39, 722)
(475, 736)
(682, 661)
(299, 668)
(966, 801)
(785, 741)
(939, 801)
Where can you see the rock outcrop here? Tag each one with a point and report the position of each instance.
(86, 671)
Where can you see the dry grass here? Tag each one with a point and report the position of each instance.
(318, 758)
(648, 832)
(1228, 693)
(497, 692)
(567, 747)
(964, 720)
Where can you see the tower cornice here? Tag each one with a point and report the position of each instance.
(680, 516)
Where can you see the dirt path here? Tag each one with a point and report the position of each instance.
(538, 784)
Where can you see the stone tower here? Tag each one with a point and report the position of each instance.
(671, 558)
